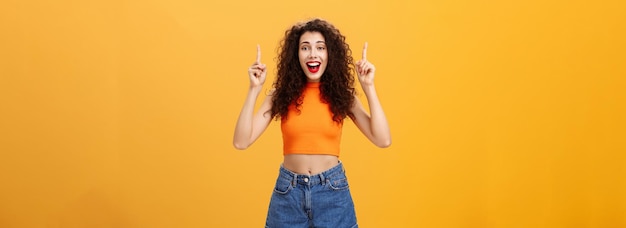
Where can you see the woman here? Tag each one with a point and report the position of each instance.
(312, 95)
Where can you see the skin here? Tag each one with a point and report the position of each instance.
(312, 49)
(251, 125)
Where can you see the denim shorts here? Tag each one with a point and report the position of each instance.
(321, 200)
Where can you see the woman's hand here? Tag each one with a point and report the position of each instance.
(257, 71)
(365, 70)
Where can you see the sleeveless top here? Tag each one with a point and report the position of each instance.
(312, 129)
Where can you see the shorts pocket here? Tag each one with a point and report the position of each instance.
(283, 186)
(338, 184)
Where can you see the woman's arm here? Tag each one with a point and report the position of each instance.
(374, 125)
(251, 125)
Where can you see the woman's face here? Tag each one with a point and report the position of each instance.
(313, 55)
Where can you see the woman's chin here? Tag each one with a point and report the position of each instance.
(313, 77)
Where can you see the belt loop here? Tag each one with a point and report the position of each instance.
(322, 178)
(295, 179)
(343, 170)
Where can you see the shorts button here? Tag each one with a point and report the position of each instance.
(306, 180)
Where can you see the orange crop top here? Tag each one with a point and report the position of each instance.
(312, 130)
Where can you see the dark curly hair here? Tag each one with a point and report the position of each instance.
(336, 83)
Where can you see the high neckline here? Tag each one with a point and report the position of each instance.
(313, 84)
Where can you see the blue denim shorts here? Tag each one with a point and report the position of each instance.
(321, 200)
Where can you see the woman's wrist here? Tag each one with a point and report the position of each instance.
(368, 88)
(255, 88)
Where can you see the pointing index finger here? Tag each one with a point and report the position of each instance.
(365, 51)
(258, 53)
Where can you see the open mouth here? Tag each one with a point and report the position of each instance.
(313, 66)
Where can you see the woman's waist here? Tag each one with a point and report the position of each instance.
(309, 164)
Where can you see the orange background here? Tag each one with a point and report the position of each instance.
(503, 114)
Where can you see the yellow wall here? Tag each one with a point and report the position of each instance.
(503, 113)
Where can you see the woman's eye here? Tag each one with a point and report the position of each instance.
(304, 48)
(321, 48)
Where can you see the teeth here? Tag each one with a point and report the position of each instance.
(313, 64)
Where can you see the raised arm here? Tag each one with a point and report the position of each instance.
(373, 125)
(251, 125)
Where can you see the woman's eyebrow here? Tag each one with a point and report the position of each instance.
(307, 42)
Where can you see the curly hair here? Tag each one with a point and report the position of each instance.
(336, 83)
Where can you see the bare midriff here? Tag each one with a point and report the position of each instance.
(309, 164)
